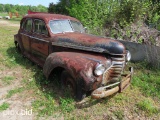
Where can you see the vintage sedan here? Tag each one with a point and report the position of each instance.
(86, 63)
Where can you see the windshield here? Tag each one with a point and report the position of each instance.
(62, 26)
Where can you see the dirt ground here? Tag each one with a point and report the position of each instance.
(8, 23)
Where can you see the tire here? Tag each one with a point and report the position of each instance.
(68, 84)
(18, 47)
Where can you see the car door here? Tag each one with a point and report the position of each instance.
(40, 42)
(26, 33)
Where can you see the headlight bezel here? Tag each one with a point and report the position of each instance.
(99, 69)
(128, 55)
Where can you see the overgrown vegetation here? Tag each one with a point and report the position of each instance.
(121, 19)
(97, 13)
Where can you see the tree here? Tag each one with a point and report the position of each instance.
(7, 7)
(60, 8)
(52, 8)
(97, 14)
(2, 8)
(42, 8)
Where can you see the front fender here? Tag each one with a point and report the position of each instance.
(79, 65)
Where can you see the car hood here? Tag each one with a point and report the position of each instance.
(88, 42)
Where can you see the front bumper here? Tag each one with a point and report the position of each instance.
(105, 91)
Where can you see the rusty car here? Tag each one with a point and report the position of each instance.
(87, 63)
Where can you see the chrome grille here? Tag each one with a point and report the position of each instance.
(113, 73)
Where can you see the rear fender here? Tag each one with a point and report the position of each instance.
(17, 40)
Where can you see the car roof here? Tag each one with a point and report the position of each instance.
(47, 17)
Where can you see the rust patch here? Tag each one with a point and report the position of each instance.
(42, 48)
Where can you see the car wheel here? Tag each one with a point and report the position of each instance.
(69, 86)
(18, 47)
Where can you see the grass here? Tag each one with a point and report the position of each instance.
(14, 19)
(66, 104)
(4, 106)
(148, 106)
(119, 114)
(14, 91)
(140, 99)
(148, 80)
(3, 14)
(44, 108)
(7, 79)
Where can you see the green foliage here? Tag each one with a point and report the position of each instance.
(14, 91)
(91, 13)
(44, 107)
(2, 9)
(145, 79)
(7, 8)
(119, 114)
(131, 10)
(147, 105)
(155, 17)
(59, 8)
(99, 14)
(52, 8)
(4, 106)
(67, 104)
(21, 9)
(155, 21)
(7, 79)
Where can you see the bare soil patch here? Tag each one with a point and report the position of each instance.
(8, 23)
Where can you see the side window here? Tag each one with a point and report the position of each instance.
(22, 24)
(27, 25)
(40, 27)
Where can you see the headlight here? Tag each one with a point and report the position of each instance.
(128, 56)
(99, 70)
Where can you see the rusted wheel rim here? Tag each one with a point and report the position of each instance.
(70, 86)
(18, 47)
(68, 83)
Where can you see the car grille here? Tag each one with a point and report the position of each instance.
(113, 73)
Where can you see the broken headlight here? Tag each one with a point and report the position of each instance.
(99, 70)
